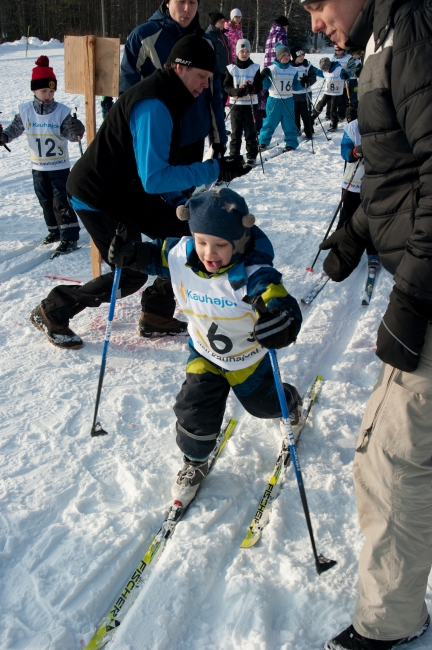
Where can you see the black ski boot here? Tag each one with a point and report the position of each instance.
(287, 148)
(154, 326)
(51, 238)
(66, 246)
(349, 639)
(188, 480)
(59, 335)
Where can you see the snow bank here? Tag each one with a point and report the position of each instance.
(34, 43)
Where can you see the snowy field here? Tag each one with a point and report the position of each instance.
(77, 513)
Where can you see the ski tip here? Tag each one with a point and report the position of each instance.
(250, 540)
(323, 564)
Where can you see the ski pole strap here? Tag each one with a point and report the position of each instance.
(257, 303)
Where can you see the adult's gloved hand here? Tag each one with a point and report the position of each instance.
(346, 247)
(76, 127)
(131, 254)
(402, 330)
(265, 72)
(276, 329)
(232, 167)
(218, 149)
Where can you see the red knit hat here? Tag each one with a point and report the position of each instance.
(43, 76)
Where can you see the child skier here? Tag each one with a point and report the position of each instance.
(351, 152)
(280, 79)
(335, 77)
(48, 126)
(307, 75)
(243, 83)
(226, 259)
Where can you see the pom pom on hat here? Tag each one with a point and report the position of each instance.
(183, 213)
(43, 75)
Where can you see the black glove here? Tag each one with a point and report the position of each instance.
(347, 247)
(351, 114)
(232, 167)
(239, 92)
(276, 329)
(250, 88)
(134, 255)
(218, 149)
(76, 127)
(402, 331)
(3, 139)
(357, 152)
(265, 72)
(304, 80)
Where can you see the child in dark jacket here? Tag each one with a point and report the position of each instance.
(225, 260)
(307, 74)
(243, 83)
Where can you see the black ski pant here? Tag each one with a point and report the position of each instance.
(65, 301)
(350, 204)
(200, 405)
(60, 218)
(242, 119)
(302, 110)
(337, 104)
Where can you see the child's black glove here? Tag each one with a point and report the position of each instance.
(250, 88)
(275, 329)
(134, 255)
(347, 247)
(232, 167)
(239, 92)
(265, 72)
(76, 127)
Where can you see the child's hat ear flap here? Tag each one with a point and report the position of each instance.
(248, 220)
(182, 213)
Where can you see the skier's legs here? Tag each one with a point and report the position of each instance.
(297, 112)
(321, 103)
(43, 191)
(249, 131)
(288, 123)
(306, 117)
(334, 103)
(350, 204)
(255, 388)
(271, 121)
(200, 407)
(65, 215)
(237, 116)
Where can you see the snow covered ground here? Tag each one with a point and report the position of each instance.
(77, 513)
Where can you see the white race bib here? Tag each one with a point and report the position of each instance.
(283, 80)
(48, 149)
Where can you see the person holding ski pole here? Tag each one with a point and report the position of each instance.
(130, 175)
(243, 83)
(392, 462)
(280, 79)
(334, 76)
(49, 126)
(303, 98)
(226, 259)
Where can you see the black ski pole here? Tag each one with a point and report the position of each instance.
(311, 268)
(232, 106)
(319, 93)
(79, 139)
(309, 106)
(324, 131)
(97, 429)
(256, 132)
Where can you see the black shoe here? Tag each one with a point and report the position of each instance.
(251, 161)
(333, 126)
(66, 246)
(263, 147)
(51, 238)
(349, 639)
(153, 326)
(288, 148)
(188, 480)
(59, 335)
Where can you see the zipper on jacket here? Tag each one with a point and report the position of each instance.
(368, 431)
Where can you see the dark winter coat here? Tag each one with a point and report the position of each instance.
(221, 45)
(395, 121)
(147, 49)
(106, 177)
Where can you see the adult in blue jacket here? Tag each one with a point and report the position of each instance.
(147, 49)
(131, 174)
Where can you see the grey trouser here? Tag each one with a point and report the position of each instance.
(393, 482)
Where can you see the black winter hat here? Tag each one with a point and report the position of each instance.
(194, 51)
(215, 16)
(296, 51)
(282, 21)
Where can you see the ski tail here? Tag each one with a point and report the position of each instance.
(370, 284)
(130, 591)
(262, 514)
(316, 289)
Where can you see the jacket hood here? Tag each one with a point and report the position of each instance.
(164, 20)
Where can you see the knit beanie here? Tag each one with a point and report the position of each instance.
(281, 49)
(296, 51)
(43, 76)
(222, 213)
(243, 44)
(235, 12)
(282, 21)
(325, 64)
(215, 16)
(194, 51)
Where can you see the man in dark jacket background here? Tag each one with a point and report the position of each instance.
(147, 49)
(216, 32)
(392, 465)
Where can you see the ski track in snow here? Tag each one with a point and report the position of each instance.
(78, 513)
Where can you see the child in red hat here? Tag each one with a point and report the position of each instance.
(48, 126)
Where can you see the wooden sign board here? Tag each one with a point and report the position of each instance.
(92, 67)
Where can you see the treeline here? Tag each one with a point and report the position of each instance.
(55, 18)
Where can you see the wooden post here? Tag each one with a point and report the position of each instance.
(92, 68)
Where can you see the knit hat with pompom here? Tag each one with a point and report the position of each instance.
(43, 76)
